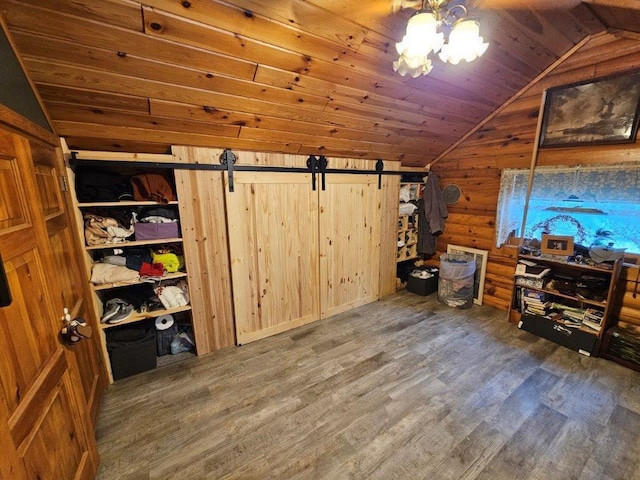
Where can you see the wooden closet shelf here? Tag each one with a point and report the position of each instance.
(138, 317)
(107, 286)
(133, 244)
(128, 203)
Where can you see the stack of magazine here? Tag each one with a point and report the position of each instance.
(593, 318)
(570, 316)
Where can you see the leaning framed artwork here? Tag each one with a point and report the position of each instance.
(480, 257)
(557, 244)
(598, 111)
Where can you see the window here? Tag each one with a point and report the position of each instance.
(594, 204)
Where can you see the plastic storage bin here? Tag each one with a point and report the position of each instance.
(423, 283)
(155, 231)
(455, 284)
(132, 349)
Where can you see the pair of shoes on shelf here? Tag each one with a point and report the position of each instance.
(116, 310)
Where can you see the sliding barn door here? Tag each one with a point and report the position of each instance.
(350, 226)
(273, 244)
(46, 429)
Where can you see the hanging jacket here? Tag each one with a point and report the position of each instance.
(433, 213)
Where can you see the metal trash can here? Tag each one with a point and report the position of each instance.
(455, 283)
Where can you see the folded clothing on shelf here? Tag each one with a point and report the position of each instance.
(104, 273)
(152, 271)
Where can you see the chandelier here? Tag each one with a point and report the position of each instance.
(425, 34)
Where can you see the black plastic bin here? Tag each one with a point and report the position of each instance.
(423, 286)
(132, 349)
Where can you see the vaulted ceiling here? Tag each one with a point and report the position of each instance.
(296, 76)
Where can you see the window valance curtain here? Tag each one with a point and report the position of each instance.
(596, 198)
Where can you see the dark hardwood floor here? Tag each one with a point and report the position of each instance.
(404, 388)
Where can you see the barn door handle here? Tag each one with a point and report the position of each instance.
(74, 330)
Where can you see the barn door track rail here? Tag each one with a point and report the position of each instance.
(315, 166)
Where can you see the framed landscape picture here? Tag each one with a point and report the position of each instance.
(481, 257)
(592, 112)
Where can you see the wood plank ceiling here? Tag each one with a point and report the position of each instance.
(297, 76)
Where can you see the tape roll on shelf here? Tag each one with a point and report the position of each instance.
(164, 321)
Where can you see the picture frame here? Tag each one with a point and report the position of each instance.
(600, 111)
(481, 257)
(557, 245)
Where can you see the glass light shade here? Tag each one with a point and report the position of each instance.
(421, 39)
(415, 67)
(465, 43)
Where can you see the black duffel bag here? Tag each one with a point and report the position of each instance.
(97, 185)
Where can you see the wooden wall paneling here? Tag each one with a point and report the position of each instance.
(273, 240)
(217, 115)
(350, 227)
(620, 16)
(315, 19)
(58, 95)
(95, 144)
(120, 13)
(204, 232)
(596, 51)
(222, 16)
(165, 25)
(327, 68)
(66, 52)
(479, 157)
(80, 114)
(628, 296)
(295, 60)
(389, 199)
(32, 19)
(258, 134)
(149, 136)
(124, 60)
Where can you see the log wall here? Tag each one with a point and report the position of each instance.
(507, 141)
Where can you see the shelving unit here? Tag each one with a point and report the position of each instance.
(139, 317)
(408, 226)
(102, 292)
(540, 307)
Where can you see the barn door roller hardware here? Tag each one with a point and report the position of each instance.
(229, 159)
(312, 165)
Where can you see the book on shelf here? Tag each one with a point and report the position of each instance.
(534, 302)
(532, 295)
(593, 318)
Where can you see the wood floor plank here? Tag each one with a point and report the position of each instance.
(402, 388)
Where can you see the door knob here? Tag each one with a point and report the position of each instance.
(74, 330)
